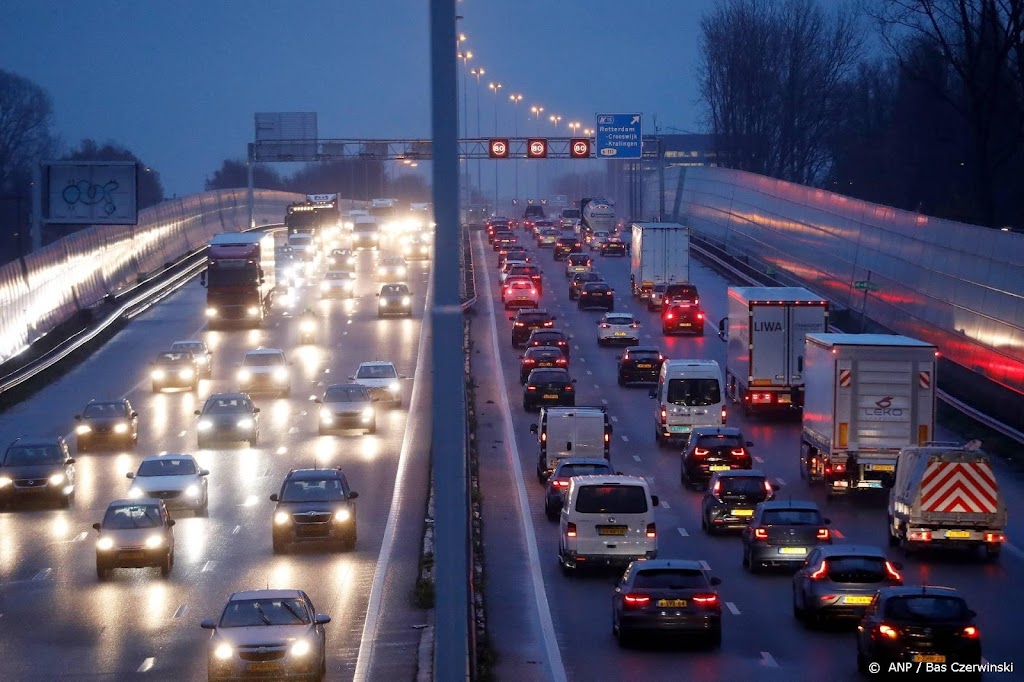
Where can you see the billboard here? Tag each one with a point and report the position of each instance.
(92, 192)
(277, 126)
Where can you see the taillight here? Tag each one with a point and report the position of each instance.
(669, 316)
(995, 537)
(701, 452)
(717, 488)
(544, 437)
(568, 387)
(888, 631)
(742, 452)
(606, 326)
(705, 600)
(519, 324)
(570, 530)
(529, 361)
(558, 483)
(970, 632)
(664, 415)
(607, 437)
(891, 571)
(561, 361)
(531, 388)
(760, 533)
(533, 292)
(700, 316)
(636, 601)
(652, 532)
(768, 488)
(824, 534)
(920, 535)
(820, 573)
(724, 414)
(635, 325)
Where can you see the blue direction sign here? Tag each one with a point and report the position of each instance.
(619, 136)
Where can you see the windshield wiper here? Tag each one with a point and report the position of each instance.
(292, 611)
(263, 616)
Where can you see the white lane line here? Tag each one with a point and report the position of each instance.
(732, 608)
(625, 439)
(597, 385)
(41, 575)
(250, 501)
(589, 372)
(705, 565)
(81, 536)
(583, 359)
(294, 429)
(147, 664)
(615, 420)
(369, 637)
(604, 401)
(636, 458)
(768, 660)
(576, 346)
(236, 530)
(682, 531)
(758, 459)
(664, 504)
(780, 481)
(181, 611)
(182, 434)
(208, 566)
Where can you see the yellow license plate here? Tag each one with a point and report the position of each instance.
(929, 658)
(958, 533)
(620, 333)
(611, 531)
(792, 550)
(550, 396)
(742, 512)
(263, 666)
(783, 398)
(883, 467)
(644, 366)
(719, 467)
(673, 603)
(856, 600)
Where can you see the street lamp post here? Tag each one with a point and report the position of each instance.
(478, 72)
(516, 99)
(556, 119)
(575, 126)
(537, 110)
(587, 133)
(495, 87)
(465, 57)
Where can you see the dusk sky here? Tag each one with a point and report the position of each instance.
(178, 82)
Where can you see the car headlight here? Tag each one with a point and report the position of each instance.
(56, 479)
(185, 374)
(253, 311)
(103, 544)
(383, 303)
(158, 374)
(205, 424)
(394, 386)
(281, 518)
(342, 515)
(5, 481)
(244, 375)
(400, 271)
(348, 284)
(326, 417)
(211, 312)
(134, 492)
(300, 648)
(154, 541)
(245, 423)
(83, 429)
(223, 651)
(281, 374)
(368, 413)
(406, 300)
(192, 491)
(308, 325)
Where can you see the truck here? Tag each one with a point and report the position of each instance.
(597, 215)
(318, 216)
(946, 495)
(240, 278)
(365, 233)
(764, 335)
(570, 432)
(659, 254)
(866, 397)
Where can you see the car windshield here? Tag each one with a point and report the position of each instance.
(28, 455)
(132, 516)
(174, 358)
(101, 410)
(226, 406)
(720, 441)
(395, 290)
(549, 232)
(856, 569)
(742, 485)
(299, 239)
(644, 355)
(694, 392)
(611, 499)
(579, 260)
(376, 372)
(547, 338)
(263, 360)
(255, 612)
(670, 579)
(543, 376)
(194, 348)
(544, 353)
(926, 607)
(532, 317)
(346, 394)
(791, 517)
(324, 490)
(520, 284)
(569, 470)
(659, 288)
(167, 466)
(618, 319)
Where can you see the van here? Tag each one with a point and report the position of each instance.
(570, 432)
(606, 521)
(303, 244)
(689, 393)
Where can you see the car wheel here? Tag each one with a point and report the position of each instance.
(167, 565)
(350, 542)
(101, 571)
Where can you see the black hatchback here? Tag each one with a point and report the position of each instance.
(712, 449)
(316, 506)
(640, 364)
(578, 280)
(731, 498)
(106, 423)
(37, 469)
(596, 295)
(524, 322)
(540, 357)
(549, 387)
(567, 244)
(549, 337)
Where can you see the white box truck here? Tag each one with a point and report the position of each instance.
(866, 397)
(659, 254)
(764, 334)
(570, 432)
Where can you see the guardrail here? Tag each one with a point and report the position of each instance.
(468, 285)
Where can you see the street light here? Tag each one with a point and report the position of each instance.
(465, 57)
(555, 119)
(516, 99)
(537, 111)
(495, 87)
(574, 126)
(478, 72)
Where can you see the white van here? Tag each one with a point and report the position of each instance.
(607, 521)
(302, 244)
(689, 394)
(570, 432)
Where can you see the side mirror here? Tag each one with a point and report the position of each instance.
(208, 624)
(533, 429)
(827, 522)
(255, 410)
(198, 412)
(130, 474)
(170, 522)
(78, 417)
(134, 415)
(204, 472)
(318, 400)
(353, 495)
(70, 460)
(96, 526)
(652, 394)
(322, 619)
(274, 498)
(654, 500)
(715, 581)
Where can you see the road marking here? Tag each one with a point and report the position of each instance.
(625, 439)
(583, 359)
(282, 450)
(682, 531)
(732, 608)
(597, 385)
(636, 458)
(147, 664)
(837, 533)
(81, 536)
(780, 481)
(615, 420)
(604, 401)
(41, 575)
(182, 434)
(181, 611)
(589, 372)
(208, 566)
(663, 504)
(250, 501)
(294, 429)
(576, 346)
(705, 566)
(758, 459)
(236, 530)
(302, 414)
(768, 660)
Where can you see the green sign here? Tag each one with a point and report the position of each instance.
(865, 285)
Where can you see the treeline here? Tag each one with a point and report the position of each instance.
(917, 104)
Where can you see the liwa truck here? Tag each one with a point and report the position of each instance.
(239, 278)
(764, 333)
(659, 254)
(866, 397)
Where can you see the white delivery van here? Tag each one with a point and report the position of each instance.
(570, 432)
(689, 393)
(607, 521)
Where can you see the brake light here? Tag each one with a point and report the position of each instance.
(558, 483)
(760, 533)
(605, 326)
(544, 437)
(742, 452)
(531, 388)
(529, 361)
(518, 324)
(664, 415)
(570, 530)
(568, 387)
(508, 291)
(705, 599)
(635, 325)
(636, 601)
(920, 535)
(892, 572)
(652, 532)
(820, 573)
(995, 537)
(669, 316)
(533, 292)
(824, 534)
(888, 631)
(768, 488)
(839, 468)
(724, 414)
(971, 632)
(700, 316)
(607, 437)
(549, 323)
(717, 488)
(561, 361)
(701, 452)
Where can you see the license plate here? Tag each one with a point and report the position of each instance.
(672, 603)
(958, 533)
(619, 334)
(742, 512)
(679, 429)
(132, 555)
(882, 467)
(611, 531)
(644, 366)
(856, 600)
(793, 550)
(263, 666)
(550, 396)
(719, 467)
(684, 324)
(929, 658)
(783, 398)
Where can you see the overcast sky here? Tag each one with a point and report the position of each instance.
(178, 82)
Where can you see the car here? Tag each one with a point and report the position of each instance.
(37, 469)
(416, 247)
(265, 370)
(667, 596)
(174, 369)
(613, 247)
(577, 282)
(840, 582)
(549, 386)
(578, 263)
(394, 299)
(539, 357)
(597, 239)
(271, 634)
(228, 417)
(681, 317)
(731, 498)
(504, 249)
(135, 534)
(107, 423)
(341, 259)
(547, 237)
(596, 295)
(314, 506)
(504, 239)
(639, 364)
(346, 406)
(558, 482)
(505, 267)
(178, 480)
(550, 337)
(200, 351)
(682, 293)
(514, 253)
(566, 244)
(520, 292)
(918, 625)
(656, 297)
(338, 284)
(711, 449)
(783, 533)
(526, 320)
(531, 271)
(381, 379)
(617, 328)
(392, 269)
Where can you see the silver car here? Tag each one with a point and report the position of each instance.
(265, 370)
(840, 581)
(269, 634)
(338, 284)
(176, 479)
(347, 406)
(382, 380)
(135, 534)
(200, 351)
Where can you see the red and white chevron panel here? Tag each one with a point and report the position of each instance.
(959, 487)
(925, 379)
(845, 377)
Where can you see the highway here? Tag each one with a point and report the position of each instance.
(58, 622)
(546, 625)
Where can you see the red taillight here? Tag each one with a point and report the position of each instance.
(742, 452)
(839, 468)
(768, 488)
(820, 573)
(760, 533)
(824, 534)
(568, 387)
(652, 532)
(531, 388)
(533, 292)
(971, 632)
(705, 600)
(559, 483)
(888, 631)
(669, 316)
(529, 361)
(891, 571)
(995, 537)
(508, 292)
(561, 361)
(920, 535)
(607, 437)
(606, 326)
(544, 437)
(664, 415)
(717, 488)
(701, 452)
(724, 414)
(549, 323)
(635, 325)
(700, 316)
(519, 324)
(570, 530)
(636, 601)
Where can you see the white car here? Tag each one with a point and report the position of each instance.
(618, 328)
(392, 269)
(520, 292)
(265, 370)
(200, 351)
(338, 284)
(598, 238)
(508, 265)
(178, 480)
(577, 264)
(382, 379)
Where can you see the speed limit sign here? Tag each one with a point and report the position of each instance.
(537, 149)
(579, 148)
(498, 149)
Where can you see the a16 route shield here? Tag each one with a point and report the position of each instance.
(619, 136)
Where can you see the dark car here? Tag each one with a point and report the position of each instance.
(525, 321)
(578, 280)
(514, 253)
(596, 295)
(533, 212)
(840, 581)
(567, 244)
(549, 387)
(711, 449)
(731, 498)
(314, 505)
(640, 364)
(394, 299)
(558, 482)
(783, 533)
(174, 369)
(505, 238)
(667, 596)
(228, 417)
(918, 625)
(550, 337)
(681, 317)
(135, 534)
(107, 423)
(540, 357)
(531, 271)
(37, 469)
(682, 293)
(613, 247)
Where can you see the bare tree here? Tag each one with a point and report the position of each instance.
(233, 174)
(26, 118)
